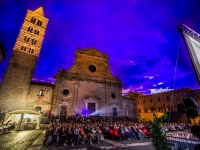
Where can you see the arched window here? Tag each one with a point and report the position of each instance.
(168, 108)
(159, 99)
(160, 108)
(28, 28)
(28, 39)
(145, 110)
(32, 51)
(31, 29)
(34, 20)
(152, 109)
(33, 41)
(39, 23)
(22, 47)
(38, 32)
(181, 108)
(168, 98)
(25, 39)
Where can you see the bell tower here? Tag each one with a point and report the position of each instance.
(17, 78)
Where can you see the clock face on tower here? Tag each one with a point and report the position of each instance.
(92, 68)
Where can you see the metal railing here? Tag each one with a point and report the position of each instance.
(177, 143)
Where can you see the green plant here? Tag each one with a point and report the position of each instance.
(192, 113)
(159, 138)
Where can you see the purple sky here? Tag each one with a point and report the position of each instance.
(140, 36)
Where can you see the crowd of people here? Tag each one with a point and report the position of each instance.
(75, 130)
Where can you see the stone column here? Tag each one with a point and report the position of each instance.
(55, 92)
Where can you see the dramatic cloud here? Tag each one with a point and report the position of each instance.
(141, 38)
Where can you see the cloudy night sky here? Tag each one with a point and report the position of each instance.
(140, 36)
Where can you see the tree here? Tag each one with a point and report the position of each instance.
(159, 138)
(192, 113)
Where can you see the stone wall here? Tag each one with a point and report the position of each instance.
(40, 95)
(127, 108)
(82, 92)
(16, 81)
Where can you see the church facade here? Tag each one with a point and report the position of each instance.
(88, 87)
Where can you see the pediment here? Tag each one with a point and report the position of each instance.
(91, 52)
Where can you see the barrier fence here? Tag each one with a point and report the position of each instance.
(182, 141)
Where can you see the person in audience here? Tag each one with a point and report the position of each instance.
(79, 130)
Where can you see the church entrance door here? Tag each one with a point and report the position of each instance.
(91, 108)
(63, 113)
(114, 112)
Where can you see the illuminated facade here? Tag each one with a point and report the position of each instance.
(88, 87)
(145, 105)
(17, 78)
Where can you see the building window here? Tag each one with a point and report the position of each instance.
(39, 23)
(34, 41)
(30, 29)
(33, 19)
(41, 93)
(113, 95)
(159, 99)
(22, 47)
(65, 92)
(151, 100)
(160, 109)
(25, 39)
(168, 108)
(28, 39)
(36, 32)
(152, 109)
(92, 68)
(143, 101)
(139, 110)
(168, 98)
(145, 110)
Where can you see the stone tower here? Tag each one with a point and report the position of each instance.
(17, 78)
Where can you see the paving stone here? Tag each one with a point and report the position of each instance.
(18, 140)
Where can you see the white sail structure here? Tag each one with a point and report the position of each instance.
(192, 41)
